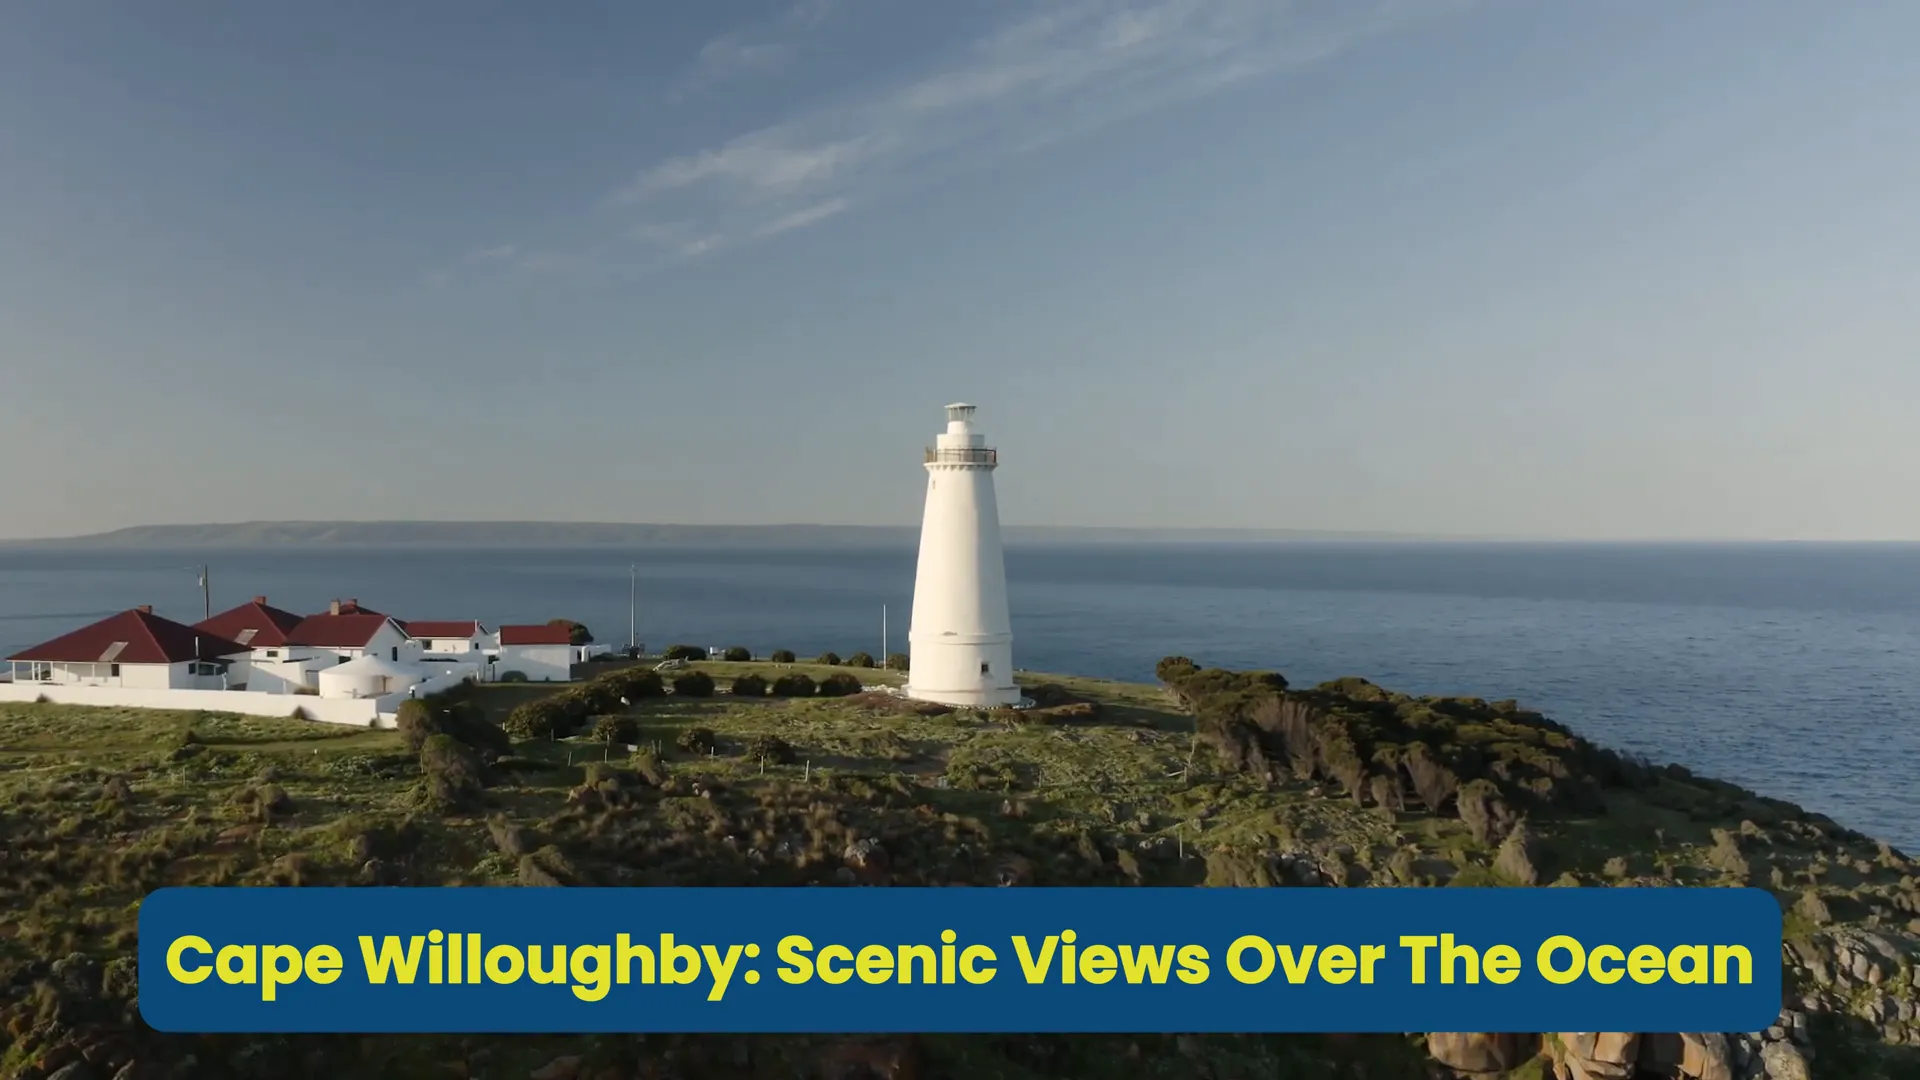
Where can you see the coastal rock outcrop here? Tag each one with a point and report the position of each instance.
(1516, 787)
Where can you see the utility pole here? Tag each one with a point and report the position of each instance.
(883, 637)
(633, 607)
(206, 593)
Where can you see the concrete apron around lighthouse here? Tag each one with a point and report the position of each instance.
(960, 644)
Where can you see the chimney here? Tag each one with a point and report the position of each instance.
(333, 608)
(145, 609)
(261, 600)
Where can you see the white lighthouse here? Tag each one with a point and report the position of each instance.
(961, 642)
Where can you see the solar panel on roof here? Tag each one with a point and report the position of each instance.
(246, 636)
(113, 652)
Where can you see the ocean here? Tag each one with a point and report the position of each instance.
(1789, 669)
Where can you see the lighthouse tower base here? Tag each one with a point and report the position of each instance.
(968, 673)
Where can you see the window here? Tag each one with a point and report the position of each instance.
(983, 669)
(273, 654)
(396, 654)
(113, 670)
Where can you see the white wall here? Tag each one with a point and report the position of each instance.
(384, 641)
(449, 646)
(287, 676)
(390, 703)
(360, 713)
(539, 663)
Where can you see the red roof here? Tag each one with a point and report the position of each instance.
(536, 635)
(136, 636)
(428, 628)
(255, 623)
(337, 631)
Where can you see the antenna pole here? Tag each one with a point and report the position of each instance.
(206, 593)
(633, 605)
(883, 637)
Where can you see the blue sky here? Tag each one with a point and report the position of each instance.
(1643, 268)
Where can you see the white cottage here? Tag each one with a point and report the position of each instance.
(287, 652)
(269, 665)
(135, 649)
(541, 653)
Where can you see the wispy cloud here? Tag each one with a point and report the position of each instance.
(1069, 68)
(762, 48)
(1072, 67)
(800, 219)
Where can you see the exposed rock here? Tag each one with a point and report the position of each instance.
(865, 854)
(1784, 1061)
(1603, 1055)
(1813, 909)
(1480, 1053)
(1688, 1056)
(1518, 855)
(1705, 1056)
(1485, 812)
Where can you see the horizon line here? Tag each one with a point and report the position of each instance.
(1251, 532)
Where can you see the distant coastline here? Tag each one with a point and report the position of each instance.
(577, 535)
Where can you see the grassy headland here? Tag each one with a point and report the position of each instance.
(1217, 778)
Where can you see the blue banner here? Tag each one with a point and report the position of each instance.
(958, 960)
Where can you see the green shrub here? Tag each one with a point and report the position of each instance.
(840, 684)
(616, 729)
(795, 685)
(697, 740)
(739, 654)
(897, 661)
(1172, 669)
(695, 684)
(420, 718)
(415, 721)
(513, 676)
(576, 632)
(453, 775)
(860, 660)
(598, 696)
(782, 656)
(770, 750)
(542, 719)
(636, 683)
(831, 659)
(685, 652)
(467, 722)
(750, 686)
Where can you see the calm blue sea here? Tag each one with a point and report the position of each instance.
(1790, 669)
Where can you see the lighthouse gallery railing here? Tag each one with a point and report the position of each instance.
(963, 456)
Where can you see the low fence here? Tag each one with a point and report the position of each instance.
(353, 712)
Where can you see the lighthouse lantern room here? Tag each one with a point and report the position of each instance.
(961, 641)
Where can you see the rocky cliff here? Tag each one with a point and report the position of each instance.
(1531, 803)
